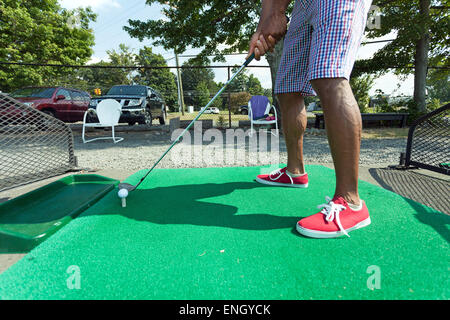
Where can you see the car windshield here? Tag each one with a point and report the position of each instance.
(44, 93)
(127, 91)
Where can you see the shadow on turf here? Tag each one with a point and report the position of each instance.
(421, 190)
(3, 200)
(189, 204)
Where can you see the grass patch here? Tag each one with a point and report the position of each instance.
(375, 133)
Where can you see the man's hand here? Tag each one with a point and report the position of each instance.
(271, 29)
(260, 46)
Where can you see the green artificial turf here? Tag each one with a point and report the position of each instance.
(216, 234)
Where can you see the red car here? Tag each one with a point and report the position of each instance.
(65, 104)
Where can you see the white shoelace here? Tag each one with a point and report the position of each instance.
(278, 171)
(331, 211)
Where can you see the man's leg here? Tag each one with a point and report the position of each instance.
(344, 125)
(294, 120)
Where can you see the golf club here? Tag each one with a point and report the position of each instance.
(126, 188)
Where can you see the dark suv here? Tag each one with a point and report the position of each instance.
(66, 104)
(140, 104)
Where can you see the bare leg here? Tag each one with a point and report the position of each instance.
(294, 120)
(344, 126)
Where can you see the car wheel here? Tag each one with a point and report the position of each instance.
(45, 122)
(244, 112)
(148, 117)
(91, 118)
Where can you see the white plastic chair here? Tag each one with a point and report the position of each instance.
(108, 112)
(259, 106)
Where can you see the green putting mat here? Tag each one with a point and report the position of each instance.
(216, 234)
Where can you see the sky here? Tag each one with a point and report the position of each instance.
(112, 15)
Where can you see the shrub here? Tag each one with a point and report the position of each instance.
(239, 99)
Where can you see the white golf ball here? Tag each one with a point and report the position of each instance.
(123, 193)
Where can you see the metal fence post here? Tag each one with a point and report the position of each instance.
(229, 98)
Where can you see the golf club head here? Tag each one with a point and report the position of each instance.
(127, 186)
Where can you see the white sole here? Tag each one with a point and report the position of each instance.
(333, 234)
(273, 183)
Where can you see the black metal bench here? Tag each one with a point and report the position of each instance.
(369, 117)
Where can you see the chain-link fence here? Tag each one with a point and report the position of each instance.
(33, 145)
(429, 142)
(184, 90)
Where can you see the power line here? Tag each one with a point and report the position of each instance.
(167, 67)
(118, 67)
(378, 41)
(118, 18)
(245, 53)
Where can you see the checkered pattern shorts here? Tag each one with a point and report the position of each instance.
(322, 42)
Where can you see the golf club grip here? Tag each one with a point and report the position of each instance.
(249, 59)
(246, 63)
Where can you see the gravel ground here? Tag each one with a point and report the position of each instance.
(140, 150)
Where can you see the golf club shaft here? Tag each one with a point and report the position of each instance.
(246, 63)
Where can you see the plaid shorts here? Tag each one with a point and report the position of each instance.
(322, 42)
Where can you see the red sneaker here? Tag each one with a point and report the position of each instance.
(282, 178)
(334, 220)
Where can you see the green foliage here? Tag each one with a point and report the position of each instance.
(439, 85)
(433, 104)
(246, 83)
(239, 99)
(123, 57)
(381, 103)
(161, 80)
(421, 32)
(254, 86)
(103, 78)
(191, 77)
(216, 26)
(414, 111)
(202, 96)
(40, 31)
(89, 79)
(205, 24)
(221, 122)
(403, 18)
(361, 86)
(268, 94)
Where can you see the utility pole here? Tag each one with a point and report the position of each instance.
(180, 85)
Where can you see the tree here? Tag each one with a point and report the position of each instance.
(361, 86)
(123, 57)
(216, 26)
(40, 31)
(422, 38)
(239, 99)
(161, 80)
(193, 77)
(254, 86)
(97, 77)
(438, 86)
(102, 78)
(202, 96)
(245, 82)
